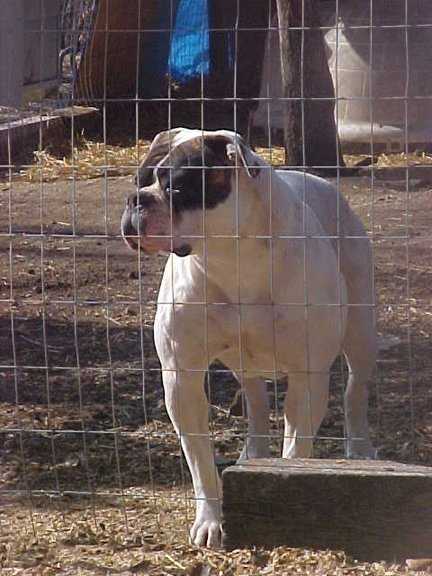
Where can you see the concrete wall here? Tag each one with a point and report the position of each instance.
(29, 49)
(41, 40)
(370, 84)
(11, 53)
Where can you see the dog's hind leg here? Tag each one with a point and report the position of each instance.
(187, 407)
(258, 412)
(360, 349)
(305, 406)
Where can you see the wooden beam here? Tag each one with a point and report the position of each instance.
(32, 131)
(372, 510)
(291, 81)
(310, 133)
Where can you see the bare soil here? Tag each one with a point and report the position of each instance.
(89, 460)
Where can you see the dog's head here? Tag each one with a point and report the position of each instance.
(185, 189)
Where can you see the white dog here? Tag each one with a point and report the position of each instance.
(271, 273)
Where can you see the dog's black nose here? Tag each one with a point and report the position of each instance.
(127, 228)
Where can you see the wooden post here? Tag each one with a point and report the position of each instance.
(290, 74)
(372, 510)
(305, 72)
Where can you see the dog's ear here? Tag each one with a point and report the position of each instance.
(159, 148)
(236, 152)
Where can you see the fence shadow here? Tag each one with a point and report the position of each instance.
(82, 407)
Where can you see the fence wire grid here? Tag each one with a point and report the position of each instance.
(88, 453)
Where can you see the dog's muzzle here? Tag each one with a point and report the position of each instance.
(131, 227)
(143, 225)
(134, 219)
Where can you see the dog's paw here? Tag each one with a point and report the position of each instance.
(207, 529)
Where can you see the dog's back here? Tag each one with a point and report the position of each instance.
(343, 226)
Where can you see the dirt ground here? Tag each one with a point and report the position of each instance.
(92, 480)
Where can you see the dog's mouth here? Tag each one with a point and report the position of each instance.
(151, 245)
(183, 250)
(131, 241)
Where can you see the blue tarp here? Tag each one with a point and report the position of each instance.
(189, 52)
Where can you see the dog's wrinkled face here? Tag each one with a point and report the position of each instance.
(176, 181)
(195, 176)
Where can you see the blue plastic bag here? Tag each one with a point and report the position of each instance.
(189, 51)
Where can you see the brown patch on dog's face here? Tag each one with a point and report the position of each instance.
(218, 178)
(196, 175)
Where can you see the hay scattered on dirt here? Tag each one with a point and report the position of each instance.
(274, 156)
(127, 537)
(89, 160)
(383, 160)
(95, 159)
(65, 536)
(402, 159)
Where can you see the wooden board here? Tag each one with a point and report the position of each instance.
(38, 130)
(372, 510)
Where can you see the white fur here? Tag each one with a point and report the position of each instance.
(267, 291)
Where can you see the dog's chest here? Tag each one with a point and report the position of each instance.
(273, 329)
(256, 338)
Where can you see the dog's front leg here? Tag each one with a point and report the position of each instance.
(187, 407)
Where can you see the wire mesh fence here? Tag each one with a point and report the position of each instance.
(89, 455)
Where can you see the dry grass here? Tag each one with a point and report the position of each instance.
(95, 159)
(397, 160)
(142, 536)
(89, 160)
